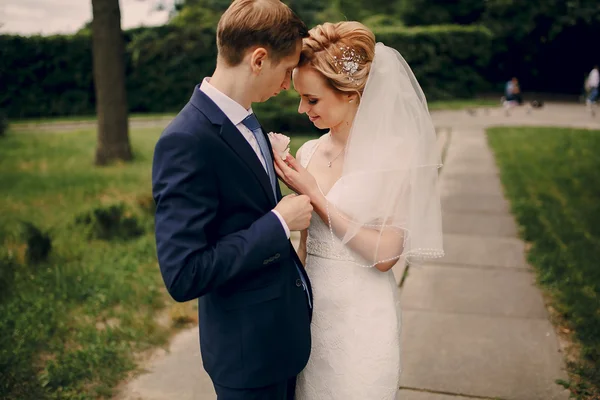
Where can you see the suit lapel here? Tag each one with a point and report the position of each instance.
(234, 138)
(238, 143)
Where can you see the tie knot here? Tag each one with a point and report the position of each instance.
(251, 122)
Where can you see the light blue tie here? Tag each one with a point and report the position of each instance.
(252, 123)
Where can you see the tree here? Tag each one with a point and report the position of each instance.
(108, 50)
(309, 10)
(208, 12)
(435, 12)
(194, 13)
(530, 39)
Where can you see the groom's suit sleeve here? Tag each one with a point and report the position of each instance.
(185, 190)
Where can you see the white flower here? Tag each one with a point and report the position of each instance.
(280, 144)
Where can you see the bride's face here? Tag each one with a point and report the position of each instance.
(325, 107)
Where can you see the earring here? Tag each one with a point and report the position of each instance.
(351, 101)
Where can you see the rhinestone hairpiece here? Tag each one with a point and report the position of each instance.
(349, 62)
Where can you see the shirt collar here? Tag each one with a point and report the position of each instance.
(232, 109)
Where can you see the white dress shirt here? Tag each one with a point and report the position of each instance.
(236, 114)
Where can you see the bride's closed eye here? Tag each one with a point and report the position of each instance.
(313, 102)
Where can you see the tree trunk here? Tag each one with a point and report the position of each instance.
(108, 50)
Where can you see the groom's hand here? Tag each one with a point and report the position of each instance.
(296, 211)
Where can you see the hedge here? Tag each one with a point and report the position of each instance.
(448, 60)
(52, 76)
(46, 76)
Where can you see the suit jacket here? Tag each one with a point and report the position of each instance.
(218, 241)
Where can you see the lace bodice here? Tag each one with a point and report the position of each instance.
(320, 243)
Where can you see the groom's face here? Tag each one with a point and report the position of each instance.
(277, 76)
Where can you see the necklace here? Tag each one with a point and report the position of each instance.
(334, 158)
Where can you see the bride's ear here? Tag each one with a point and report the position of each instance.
(352, 98)
(257, 59)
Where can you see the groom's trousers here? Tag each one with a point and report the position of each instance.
(281, 391)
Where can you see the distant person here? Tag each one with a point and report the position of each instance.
(513, 91)
(591, 85)
(512, 95)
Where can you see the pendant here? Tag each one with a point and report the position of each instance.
(329, 164)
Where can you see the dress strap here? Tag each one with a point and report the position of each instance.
(308, 150)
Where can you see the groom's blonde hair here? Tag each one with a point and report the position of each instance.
(251, 23)
(328, 44)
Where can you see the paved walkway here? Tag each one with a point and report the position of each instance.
(474, 324)
(552, 114)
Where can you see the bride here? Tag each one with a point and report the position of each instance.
(372, 181)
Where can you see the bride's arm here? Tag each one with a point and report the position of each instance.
(366, 242)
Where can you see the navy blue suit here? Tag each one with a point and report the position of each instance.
(218, 241)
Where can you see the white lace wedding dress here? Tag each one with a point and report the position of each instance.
(356, 320)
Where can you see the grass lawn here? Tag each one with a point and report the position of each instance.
(73, 323)
(552, 177)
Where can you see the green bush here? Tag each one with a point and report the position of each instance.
(165, 64)
(46, 76)
(438, 12)
(280, 114)
(39, 244)
(448, 60)
(113, 222)
(382, 20)
(52, 76)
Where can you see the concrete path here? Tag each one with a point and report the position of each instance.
(474, 324)
(552, 114)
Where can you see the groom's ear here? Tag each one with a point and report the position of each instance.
(258, 58)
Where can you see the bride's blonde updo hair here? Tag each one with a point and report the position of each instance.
(342, 53)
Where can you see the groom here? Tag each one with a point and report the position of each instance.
(222, 228)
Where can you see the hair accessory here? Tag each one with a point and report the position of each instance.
(349, 62)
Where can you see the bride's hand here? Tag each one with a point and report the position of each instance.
(296, 177)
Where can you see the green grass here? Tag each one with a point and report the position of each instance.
(462, 104)
(552, 177)
(72, 325)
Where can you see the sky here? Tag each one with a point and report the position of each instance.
(30, 17)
